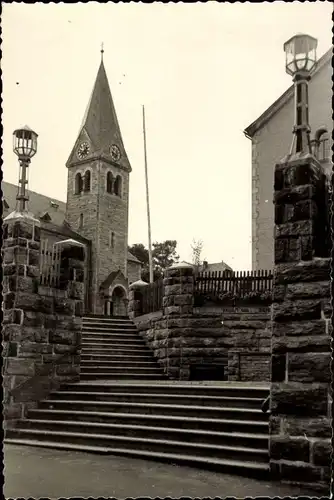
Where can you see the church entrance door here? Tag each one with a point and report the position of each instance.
(119, 302)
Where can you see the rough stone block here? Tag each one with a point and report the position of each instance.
(281, 345)
(274, 425)
(314, 270)
(29, 301)
(308, 290)
(30, 349)
(309, 367)
(322, 453)
(19, 366)
(64, 306)
(311, 427)
(296, 328)
(301, 473)
(286, 448)
(297, 310)
(62, 337)
(297, 399)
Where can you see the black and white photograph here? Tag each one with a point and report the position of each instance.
(166, 249)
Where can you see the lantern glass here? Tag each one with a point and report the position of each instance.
(301, 54)
(25, 142)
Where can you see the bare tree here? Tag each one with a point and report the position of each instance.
(197, 248)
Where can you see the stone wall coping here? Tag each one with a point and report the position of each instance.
(180, 265)
(15, 215)
(137, 284)
(147, 317)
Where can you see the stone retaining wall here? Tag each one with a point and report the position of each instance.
(41, 326)
(188, 340)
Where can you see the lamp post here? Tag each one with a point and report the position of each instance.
(25, 147)
(301, 59)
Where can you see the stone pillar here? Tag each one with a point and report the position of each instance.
(178, 304)
(135, 298)
(300, 426)
(21, 305)
(179, 290)
(42, 325)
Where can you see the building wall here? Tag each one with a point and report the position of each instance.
(270, 144)
(103, 214)
(134, 271)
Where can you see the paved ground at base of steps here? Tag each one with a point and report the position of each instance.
(39, 472)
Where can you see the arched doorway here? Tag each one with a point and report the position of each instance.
(119, 302)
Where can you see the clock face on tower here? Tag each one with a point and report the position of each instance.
(115, 152)
(83, 150)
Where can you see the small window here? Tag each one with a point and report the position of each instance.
(87, 181)
(81, 221)
(5, 205)
(45, 217)
(78, 183)
(118, 185)
(109, 182)
(322, 145)
(111, 239)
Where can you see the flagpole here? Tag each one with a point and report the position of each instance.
(147, 203)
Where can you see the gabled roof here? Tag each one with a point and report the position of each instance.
(38, 204)
(283, 99)
(133, 258)
(100, 127)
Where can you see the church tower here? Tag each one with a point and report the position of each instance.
(98, 188)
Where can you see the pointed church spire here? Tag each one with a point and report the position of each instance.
(100, 127)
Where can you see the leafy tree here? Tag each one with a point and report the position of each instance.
(163, 256)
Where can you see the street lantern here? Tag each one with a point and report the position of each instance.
(301, 54)
(301, 59)
(25, 147)
(24, 142)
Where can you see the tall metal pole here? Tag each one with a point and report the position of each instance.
(147, 204)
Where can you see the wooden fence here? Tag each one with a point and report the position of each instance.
(152, 297)
(239, 283)
(49, 264)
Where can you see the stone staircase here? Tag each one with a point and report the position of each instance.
(119, 409)
(113, 349)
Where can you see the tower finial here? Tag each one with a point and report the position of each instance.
(102, 50)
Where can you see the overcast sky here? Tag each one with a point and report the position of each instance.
(204, 71)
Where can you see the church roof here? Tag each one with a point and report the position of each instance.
(40, 205)
(282, 100)
(100, 127)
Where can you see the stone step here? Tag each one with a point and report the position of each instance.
(103, 375)
(98, 346)
(170, 421)
(110, 335)
(214, 412)
(120, 363)
(116, 350)
(109, 324)
(109, 328)
(142, 397)
(168, 387)
(112, 341)
(222, 465)
(99, 357)
(126, 368)
(168, 433)
(207, 450)
(102, 317)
